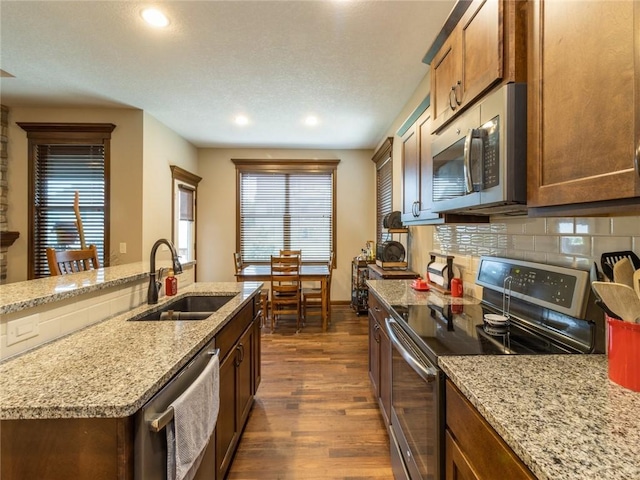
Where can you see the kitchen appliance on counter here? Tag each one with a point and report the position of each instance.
(551, 311)
(480, 160)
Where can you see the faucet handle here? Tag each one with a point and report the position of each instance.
(161, 270)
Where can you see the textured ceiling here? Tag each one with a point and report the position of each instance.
(353, 64)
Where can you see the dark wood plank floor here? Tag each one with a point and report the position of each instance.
(315, 416)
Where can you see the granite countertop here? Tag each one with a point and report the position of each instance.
(112, 368)
(31, 293)
(399, 292)
(559, 413)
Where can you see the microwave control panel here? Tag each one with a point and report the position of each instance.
(491, 152)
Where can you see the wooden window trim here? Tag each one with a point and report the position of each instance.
(75, 133)
(288, 166)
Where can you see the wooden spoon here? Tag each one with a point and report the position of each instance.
(623, 272)
(620, 299)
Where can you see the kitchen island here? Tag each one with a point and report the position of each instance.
(71, 408)
(112, 368)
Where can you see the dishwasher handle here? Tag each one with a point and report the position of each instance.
(421, 366)
(161, 421)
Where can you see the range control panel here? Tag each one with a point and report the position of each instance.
(559, 288)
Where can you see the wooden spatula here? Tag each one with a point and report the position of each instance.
(623, 272)
(620, 299)
(636, 282)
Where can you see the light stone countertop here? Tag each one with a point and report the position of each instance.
(31, 293)
(559, 413)
(112, 368)
(399, 292)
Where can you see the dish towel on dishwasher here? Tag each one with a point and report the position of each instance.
(195, 413)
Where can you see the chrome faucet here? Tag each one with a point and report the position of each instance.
(155, 285)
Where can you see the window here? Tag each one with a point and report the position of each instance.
(384, 184)
(65, 159)
(185, 187)
(286, 205)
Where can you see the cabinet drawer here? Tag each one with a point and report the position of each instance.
(487, 454)
(230, 333)
(376, 308)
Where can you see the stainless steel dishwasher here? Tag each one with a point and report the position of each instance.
(150, 447)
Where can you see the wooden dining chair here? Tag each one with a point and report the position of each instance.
(62, 262)
(264, 293)
(285, 288)
(312, 296)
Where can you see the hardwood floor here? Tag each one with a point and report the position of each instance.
(315, 416)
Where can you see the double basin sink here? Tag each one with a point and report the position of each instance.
(194, 307)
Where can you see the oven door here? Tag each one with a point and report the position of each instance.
(417, 409)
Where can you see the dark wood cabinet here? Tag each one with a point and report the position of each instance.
(380, 357)
(486, 47)
(417, 173)
(473, 449)
(583, 110)
(103, 448)
(238, 344)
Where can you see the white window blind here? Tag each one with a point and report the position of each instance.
(286, 210)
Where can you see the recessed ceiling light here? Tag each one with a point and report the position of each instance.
(155, 17)
(311, 120)
(241, 120)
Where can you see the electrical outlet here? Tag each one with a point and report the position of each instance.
(123, 247)
(23, 329)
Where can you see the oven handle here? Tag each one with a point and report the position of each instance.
(427, 372)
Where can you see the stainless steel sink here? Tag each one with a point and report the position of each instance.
(194, 307)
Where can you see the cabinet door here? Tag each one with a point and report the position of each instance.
(446, 80)
(385, 374)
(226, 426)
(410, 173)
(374, 354)
(244, 381)
(417, 172)
(481, 48)
(256, 355)
(457, 466)
(583, 109)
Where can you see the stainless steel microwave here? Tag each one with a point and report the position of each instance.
(480, 159)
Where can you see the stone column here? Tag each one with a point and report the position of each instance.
(6, 237)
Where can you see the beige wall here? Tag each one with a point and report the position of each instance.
(217, 209)
(162, 147)
(142, 149)
(126, 179)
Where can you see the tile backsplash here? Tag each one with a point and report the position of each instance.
(568, 241)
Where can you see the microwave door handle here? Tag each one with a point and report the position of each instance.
(467, 161)
(473, 142)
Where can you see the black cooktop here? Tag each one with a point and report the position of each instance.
(460, 330)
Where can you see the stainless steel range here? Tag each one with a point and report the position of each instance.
(550, 311)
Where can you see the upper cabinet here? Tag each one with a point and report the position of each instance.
(486, 46)
(416, 172)
(583, 107)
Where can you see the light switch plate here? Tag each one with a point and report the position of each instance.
(23, 329)
(123, 247)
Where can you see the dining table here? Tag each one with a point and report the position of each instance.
(309, 272)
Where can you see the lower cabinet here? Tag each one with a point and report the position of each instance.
(239, 344)
(473, 449)
(380, 356)
(103, 448)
